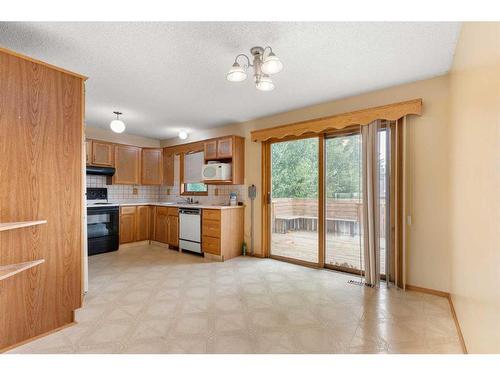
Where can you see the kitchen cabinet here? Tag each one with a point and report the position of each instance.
(143, 224)
(168, 169)
(151, 166)
(225, 148)
(102, 153)
(222, 232)
(210, 150)
(173, 227)
(161, 224)
(128, 222)
(127, 165)
(88, 151)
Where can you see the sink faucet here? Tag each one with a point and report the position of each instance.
(188, 199)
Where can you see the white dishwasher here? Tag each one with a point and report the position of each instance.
(190, 229)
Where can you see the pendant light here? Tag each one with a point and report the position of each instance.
(118, 126)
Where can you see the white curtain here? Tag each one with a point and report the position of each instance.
(193, 165)
(371, 208)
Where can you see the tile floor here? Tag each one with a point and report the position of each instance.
(148, 299)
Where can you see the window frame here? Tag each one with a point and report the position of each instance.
(183, 190)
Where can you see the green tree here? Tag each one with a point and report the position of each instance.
(295, 167)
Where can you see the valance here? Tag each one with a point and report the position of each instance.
(390, 112)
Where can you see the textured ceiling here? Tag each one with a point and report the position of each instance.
(171, 75)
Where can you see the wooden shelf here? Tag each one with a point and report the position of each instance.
(20, 224)
(12, 269)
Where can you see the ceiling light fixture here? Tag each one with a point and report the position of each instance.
(183, 134)
(263, 66)
(118, 126)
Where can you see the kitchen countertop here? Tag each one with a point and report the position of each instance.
(168, 204)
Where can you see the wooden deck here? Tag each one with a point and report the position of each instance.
(341, 250)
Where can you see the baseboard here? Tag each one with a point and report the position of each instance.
(446, 295)
(457, 324)
(427, 291)
(6, 349)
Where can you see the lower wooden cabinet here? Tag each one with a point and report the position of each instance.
(173, 229)
(128, 224)
(161, 224)
(143, 225)
(167, 225)
(222, 232)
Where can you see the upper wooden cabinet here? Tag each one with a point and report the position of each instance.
(225, 148)
(88, 151)
(102, 153)
(152, 166)
(168, 168)
(216, 149)
(127, 165)
(210, 150)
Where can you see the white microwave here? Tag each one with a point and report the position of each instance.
(216, 171)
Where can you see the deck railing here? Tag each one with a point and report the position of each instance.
(343, 216)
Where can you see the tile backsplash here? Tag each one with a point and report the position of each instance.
(217, 194)
(125, 193)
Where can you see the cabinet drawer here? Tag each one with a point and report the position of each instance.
(161, 210)
(210, 245)
(127, 210)
(211, 215)
(211, 228)
(173, 211)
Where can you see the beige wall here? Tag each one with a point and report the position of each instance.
(475, 185)
(429, 243)
(130, 139)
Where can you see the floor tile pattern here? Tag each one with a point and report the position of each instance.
(148, 299)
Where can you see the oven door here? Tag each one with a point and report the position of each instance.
(102, 229)
(102, 221)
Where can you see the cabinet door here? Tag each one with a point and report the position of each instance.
(168, 169)
(224, 148)
(173, 230)
(102, 154)
(210, 149)
(161, 225)
(152, 165)
(128, 165)
(143, 224)
(88, 151)
(127, 224)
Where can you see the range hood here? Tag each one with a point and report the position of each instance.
(102, 171)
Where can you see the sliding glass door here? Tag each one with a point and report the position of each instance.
(328, 199)
(294, 182)
(344, 202)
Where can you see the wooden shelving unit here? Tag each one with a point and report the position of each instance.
(20, 224)
(12, 269)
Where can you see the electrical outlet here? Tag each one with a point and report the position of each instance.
(135, 191)
(168, 191)
(216, 191)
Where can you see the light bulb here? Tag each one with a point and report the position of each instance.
(117, 126)
(183, 134)
(264, 84)
(272, 64)
(236, 73)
